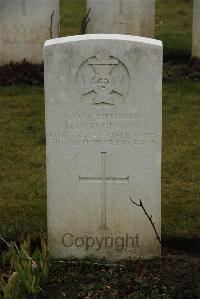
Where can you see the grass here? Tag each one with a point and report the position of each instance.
(72, 14)
(23, 186)
(22, 155)
(180, 189)
(174, 27)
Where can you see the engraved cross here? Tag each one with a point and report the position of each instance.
(104, 180)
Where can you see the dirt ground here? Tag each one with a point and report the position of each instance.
(32, 74)
(190, 70)
(176, 275)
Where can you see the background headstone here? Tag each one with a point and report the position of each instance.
(196, 29)
(24, 27)
(134, 17)
(103, 130)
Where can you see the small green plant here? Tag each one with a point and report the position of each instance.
(31, 270)
(11, 289)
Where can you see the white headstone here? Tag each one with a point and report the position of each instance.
(196, 29)
(134, 17)
(24, 27)
(103, 130)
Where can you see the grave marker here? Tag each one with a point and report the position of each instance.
(103, 130)
(134, 17)
(24, 27)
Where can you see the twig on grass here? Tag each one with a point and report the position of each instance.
(149, 217)
(51, 25)
(85, 22)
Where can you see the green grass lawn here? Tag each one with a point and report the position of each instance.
(72, 13)
(22, 154)
(181, 163)
(22, 151)
(174, 27)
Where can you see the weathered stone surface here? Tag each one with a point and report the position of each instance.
(134, 17)
(103, 130)
(24, 27)
(196, 29)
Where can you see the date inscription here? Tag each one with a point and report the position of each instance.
(111, 129)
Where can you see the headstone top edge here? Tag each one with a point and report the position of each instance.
(90, 37)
